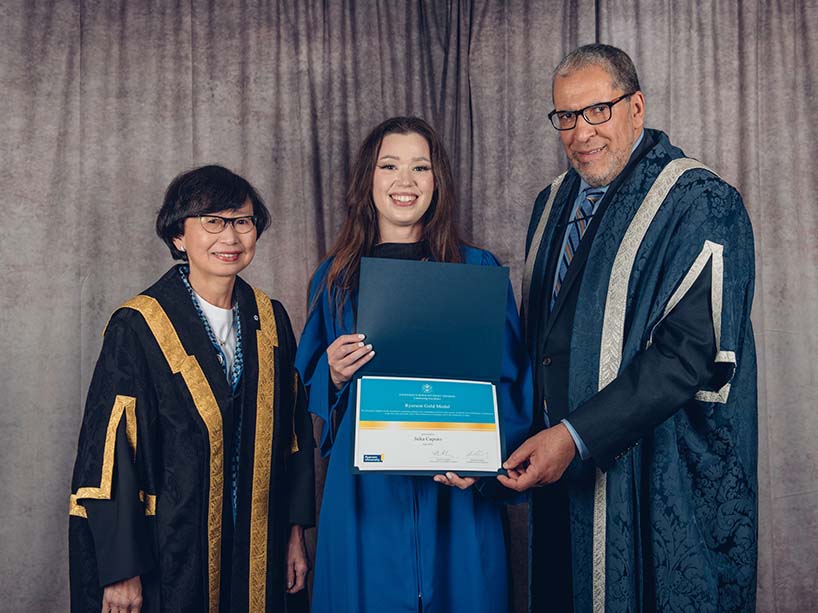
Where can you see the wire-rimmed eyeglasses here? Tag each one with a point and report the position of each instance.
(594, 114)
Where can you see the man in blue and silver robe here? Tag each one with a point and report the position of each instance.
(637, 292)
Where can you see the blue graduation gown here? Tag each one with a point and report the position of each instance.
(390, 543)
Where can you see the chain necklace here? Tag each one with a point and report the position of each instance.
(238, 361)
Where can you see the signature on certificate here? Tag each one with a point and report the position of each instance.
(477, 455)
(441, 455)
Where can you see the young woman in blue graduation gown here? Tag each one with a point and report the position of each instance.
(386, 542)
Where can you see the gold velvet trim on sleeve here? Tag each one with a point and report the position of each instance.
(294, 446)
(123, 405)
(149, 500)
(130, 426)
(267, 339)
(208, 409)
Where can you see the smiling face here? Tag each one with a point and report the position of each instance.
(217, 255)
(598, 153)
(402, 186)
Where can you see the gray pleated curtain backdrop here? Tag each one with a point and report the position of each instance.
(103, 102)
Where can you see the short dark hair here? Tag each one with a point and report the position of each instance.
(201, 191)
(616, 62)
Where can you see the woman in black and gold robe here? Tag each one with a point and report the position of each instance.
(194, 476)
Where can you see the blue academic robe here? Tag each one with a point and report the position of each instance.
(671, 523)
(392, 543)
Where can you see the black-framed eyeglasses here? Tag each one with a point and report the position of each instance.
(216, 223)
(594, 114)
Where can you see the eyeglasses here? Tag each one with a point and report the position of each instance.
(216, 224)
(594, 114)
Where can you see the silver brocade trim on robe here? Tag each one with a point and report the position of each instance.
(714, 251)
(612, 340)
(534, 247)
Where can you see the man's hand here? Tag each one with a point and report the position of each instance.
(297, 563)
(541, 459)
(123, 596)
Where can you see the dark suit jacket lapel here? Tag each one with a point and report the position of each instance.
(545, 267)
(578, 261)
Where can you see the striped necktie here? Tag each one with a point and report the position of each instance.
(576, 228)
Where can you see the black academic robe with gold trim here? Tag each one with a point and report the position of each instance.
(152, 485)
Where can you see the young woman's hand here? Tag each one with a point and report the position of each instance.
(454, 480)
(346, 355)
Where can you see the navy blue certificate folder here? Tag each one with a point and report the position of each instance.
(430, 319)
(434, 327)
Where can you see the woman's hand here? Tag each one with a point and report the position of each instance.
(346, 355)
(454, 480)
(123, 596)
(297, 564)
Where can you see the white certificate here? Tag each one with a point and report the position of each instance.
(426, 426)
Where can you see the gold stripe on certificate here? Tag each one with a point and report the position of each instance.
(426, 425)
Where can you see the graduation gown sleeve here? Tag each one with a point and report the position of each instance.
(656, 383)
(118, 526)
(321, 328)
(515, 389)
(111, 489)
(300, 467)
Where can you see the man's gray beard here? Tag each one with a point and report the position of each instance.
(620, 161)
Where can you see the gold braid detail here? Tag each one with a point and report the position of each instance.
(294, 446)
(267, 339)
(149, 500)
(208, 409)
(123, 405)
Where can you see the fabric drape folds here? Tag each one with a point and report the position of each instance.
(104, 101)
